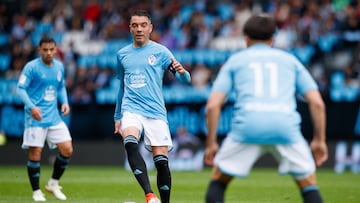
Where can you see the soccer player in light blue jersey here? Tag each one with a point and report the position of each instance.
(41, 86)
(140, 107)
(265, 82)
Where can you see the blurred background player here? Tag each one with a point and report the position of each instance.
(140, 106)
(265, 81)
(40, 85)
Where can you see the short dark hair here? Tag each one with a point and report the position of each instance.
(260, 27)
(46, 39)
(140, 12)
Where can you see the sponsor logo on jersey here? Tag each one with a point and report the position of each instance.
(50, 93)
(137, 79)
(152, 60)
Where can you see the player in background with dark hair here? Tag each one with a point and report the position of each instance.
(265, 81)
(40, 86)
(140, 106)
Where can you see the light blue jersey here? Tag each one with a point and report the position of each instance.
(40, 85)
(265, 81)
(141, 71)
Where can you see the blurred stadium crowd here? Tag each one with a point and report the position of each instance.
(324, 34)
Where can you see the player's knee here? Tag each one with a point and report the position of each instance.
(304, 182)
(35, 157)
(66, 149)
(67, 152)
(35, 153)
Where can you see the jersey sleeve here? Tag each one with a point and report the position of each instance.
(119, 67)
(166, 58)
(304, 81)
(223, 82)
(22, 85)
(120, 94)
(62, 88)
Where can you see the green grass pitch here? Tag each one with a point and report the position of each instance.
(107, 184)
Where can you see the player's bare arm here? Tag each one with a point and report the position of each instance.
(318, 115)
(213, 110)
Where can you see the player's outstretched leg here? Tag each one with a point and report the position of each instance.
(137, 163)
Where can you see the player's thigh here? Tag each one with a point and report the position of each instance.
(160, 150)
(237, 159)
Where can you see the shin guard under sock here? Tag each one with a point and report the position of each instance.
(163, 177)
(311, 194)
(137, 163)
(215, 192)
(60, 165)
(33, 168)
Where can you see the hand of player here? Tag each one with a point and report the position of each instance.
(320, 151)
(210, 152)
(117, 127)
(177, 66)
(36, 113)
(65, 109)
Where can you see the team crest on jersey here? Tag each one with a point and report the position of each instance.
(58, 77)
(152, 60)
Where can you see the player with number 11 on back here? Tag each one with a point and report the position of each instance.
(265, 81)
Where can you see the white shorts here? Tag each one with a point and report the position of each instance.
(36, 136)
(237, 159)
(156, 132)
